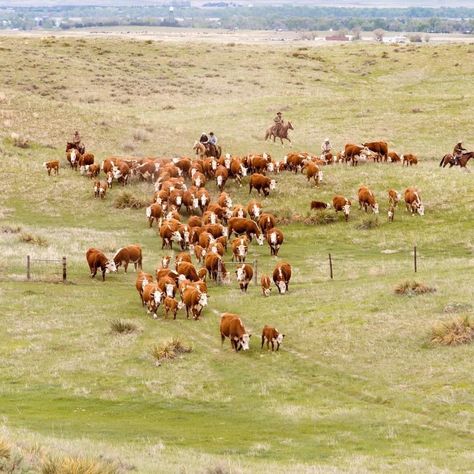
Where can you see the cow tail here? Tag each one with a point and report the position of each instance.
(442, 161)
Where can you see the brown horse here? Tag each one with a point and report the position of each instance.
(280, 132)
(207, 150)
(448, 159)
(74, 146)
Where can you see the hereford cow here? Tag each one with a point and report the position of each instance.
(154, 212)
(282, 276)
(413, 202)
(261, 183)
(318, 205)
(222, 175)
(152, 297)
(96, 259)
(231, 326)
(52, 167)
(169, 233)
(170, 304)
(199, 252)
(391, 212)
(244, 276)
(142, 280)
(353, 152)
(129, 254)
(240, 247)
(393, 157)
(409, 159)
(271, 335)
(167, 285)
(239, 211)
(266, 221)
(254, 209)
(188, 270)
(73, 157)
(275, 240)
(393, 197)
(92, 170)
(214, 264)
(367, 199)
(239, 226)
(182, 257)
(224, 200)
(266, 285)
(380, 148)
(121, 172)
(100, 188)
(340, 203)
(194, 301)
(313, 172)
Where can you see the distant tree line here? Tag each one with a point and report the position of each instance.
(433, 20)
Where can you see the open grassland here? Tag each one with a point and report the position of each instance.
(357, 385)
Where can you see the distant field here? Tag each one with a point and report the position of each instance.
(356, 386)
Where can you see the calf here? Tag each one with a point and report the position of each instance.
(142, 280)
(266, 285)
(240, 247)
(154, 212)
(152, 297)
(393, 157)
(231, 326)
(127, 255)
(261, 184)
(100, 188)
(216, 267)
(413, 202)
(409, 159)
(275, 240)
(391, 212)
(367, 199)
(271, 335)
(52, 167)
(393, 197)
(340, 203)
(282, 276)
(170, 304)
(313, 172)
(96, 259)
(318, 205)
(194, 301)
(244, 276)
(167, 285)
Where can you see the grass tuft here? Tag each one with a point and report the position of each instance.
(413, 288)
(141, 135)
(33, 239)
(322, 217)
(370, 222)
(169, 350)
(70, 465)
(126, 199)
(457, 308)
(459, 330)
(19, 140)
(8, 229)
(119, 326)
(5, 449)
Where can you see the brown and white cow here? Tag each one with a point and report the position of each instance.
(121, 172)
(167, 285)
(240, 225)
(92, 170)
(222, 175)
(239, 211)
(271, 336)
(261, 184)
(266, 221)
(318, 205)
(367, 199)
(244, 275)
(266, 285)
(240, 247)
(199, 252)
(391, 212)
(194, 300)
(129, 254)
(232, 327)
(188, 270)
(313, 172)
(393, 197)
(170, 304)
(52, 167)
(413, 202)
(154, 212)
(142, 280)
(100, 188)
(380, 148)
(214, 264)
(353, 152)
(340, 203)
(96, 259)
(275, 240)
(393, 157)
(254, 209)
(224, 200)
(282, 276)
(152, 297)
(169, 233)
(409, 159)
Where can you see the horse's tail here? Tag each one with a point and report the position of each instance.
(267, 134)
(442, 161)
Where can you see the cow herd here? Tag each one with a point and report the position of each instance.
(215, 224)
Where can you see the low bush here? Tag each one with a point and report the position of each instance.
(33, 239)
(370, 222)
(128, 200)
(119, 326)
(70, 465)
(169, 350)
(19, 140)
(321, 217)
(413, 288)
(456, 331)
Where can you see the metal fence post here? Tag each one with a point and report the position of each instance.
(28, 267)
(415, 263)
(255, 271)
(219, 272)
(64, 270)
(330, 267)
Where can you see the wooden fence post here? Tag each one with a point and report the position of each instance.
(64, 270)
(255, 271)
(28, 267)
(415, 263)
(330, 267)
(219, 272)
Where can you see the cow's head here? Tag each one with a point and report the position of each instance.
(281, 286)
(390, 214)
(420, 209)
(176, 236)
(73, 156)
(186, 236)
(165, 261)
(169, 287)
(256, 210)
(240, 273)
(279, 339)
(267, 291)
(228, 202)
(228, 213)
(243, 342)
(195, 203)
(272, 184)
(243, 170)
(213, 218)
(110, 267)
(242, 249)
(346, 209)
(260, 239)
(270, 167)
(203, 299)
(203, 200)
(320, 176)
(225, 231)
(179, 200)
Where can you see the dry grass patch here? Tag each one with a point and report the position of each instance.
(169, 350)
(371, 222)
(413, 288)
(70, 465)
(118, 326)
(5, 449)
(8, 229)
(126, 199)
(33, 239)
(456, 331)
(322, 217)
(20, 141)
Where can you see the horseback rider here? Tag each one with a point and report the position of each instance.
(212, 139)
(76, 139)
(325, 148)
(204, 138)
(457, 152)
(278, 120)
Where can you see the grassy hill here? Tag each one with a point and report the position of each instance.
(357, 385)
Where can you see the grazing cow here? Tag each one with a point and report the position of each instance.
(266, 221)
(92, 170)
(169, 233)
(188, 270)
(202, 274)
(261, 183)
(367, 199)
(254, 209)
(182, 257)
(266, 285)
(240, 225)
(340, 203)
(275, 240)
(96, 259)
(413, 202)
(313, 172)
(393, 197)
(222, 175)
(271, 335)
(195, 221)
(152, 297)
(52, 167)
(170, 304)
(318, 205)
(244, 276)
(86, 159)
(294, 161)
(214, 264)
(409, 159)
(217, 248)
(100, 188)
(195, 301)
(380, 148)
(353, 152)
(199, 252)
(240, 247)
(393, 157)
(154, 212)
(391, 212)
(231, 326)
(142, 280)
(224, 200)
(216, 230)
(282, 276)
(239, 211)
(129, 254)
(167, 285)
(121, 172)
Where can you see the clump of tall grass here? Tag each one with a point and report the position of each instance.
(74, 465)
(321, 217)
(5, 449)
(33, 239)
(169, 350)
(119, 326)
(126, 199)
(370, 222)
(413, 288)
(20, 141)
(8, 229)
(456, 331)
(141, 135)
(457, 308)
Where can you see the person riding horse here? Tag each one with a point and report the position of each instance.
(278, 120)
(325, 148)
(76, 143)
(457, 152)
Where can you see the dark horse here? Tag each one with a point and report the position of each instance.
(207, 150)
(74, 146)
(280, 132)
(448, 159)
